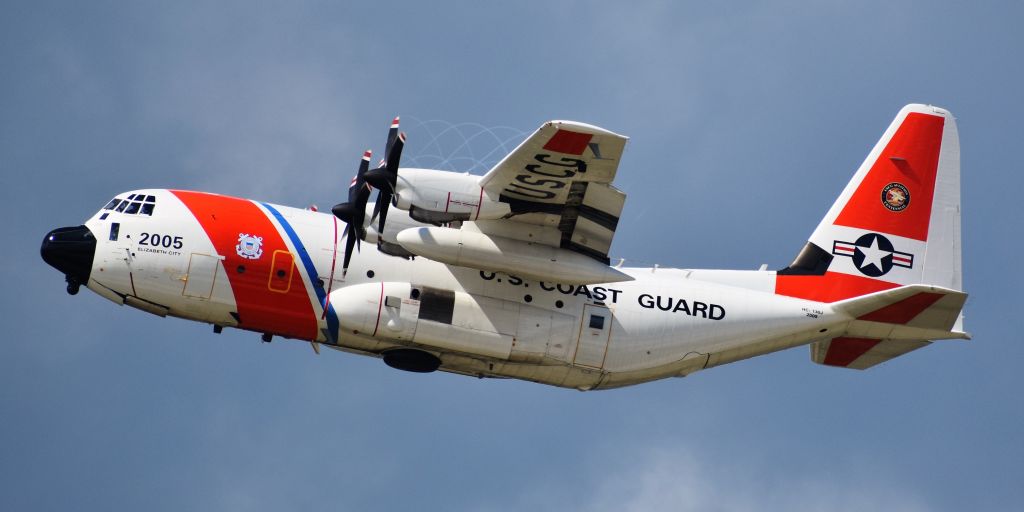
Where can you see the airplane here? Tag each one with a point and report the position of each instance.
(507, 275)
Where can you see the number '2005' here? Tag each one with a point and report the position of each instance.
(155, 240)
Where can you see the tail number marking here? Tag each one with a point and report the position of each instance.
(157, 240)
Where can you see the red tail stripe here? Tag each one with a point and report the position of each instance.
(910, 158)
(904, 310)
(842, 351)
(830, 287)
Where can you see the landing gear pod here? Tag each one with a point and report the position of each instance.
(411, 360)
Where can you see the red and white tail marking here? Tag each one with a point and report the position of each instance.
(891, 323)
(895, 196)
(896, 223)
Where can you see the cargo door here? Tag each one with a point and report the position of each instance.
(595, 333)
(201, 275)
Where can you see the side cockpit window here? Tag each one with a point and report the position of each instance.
(135, 204)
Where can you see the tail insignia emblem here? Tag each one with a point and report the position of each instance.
(873, 254)
(895, 197)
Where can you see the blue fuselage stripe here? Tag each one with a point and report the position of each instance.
(307, 262)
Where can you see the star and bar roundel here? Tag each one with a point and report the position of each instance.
(873, 254)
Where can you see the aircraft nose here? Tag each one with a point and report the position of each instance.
(70, 250)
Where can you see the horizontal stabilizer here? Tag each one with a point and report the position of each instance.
(891, 323)
(861, 353)
(922, 306)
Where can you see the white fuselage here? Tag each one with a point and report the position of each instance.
(666, 322)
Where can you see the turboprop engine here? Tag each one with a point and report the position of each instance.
(437, 197)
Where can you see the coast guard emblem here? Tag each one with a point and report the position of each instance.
(249, 247)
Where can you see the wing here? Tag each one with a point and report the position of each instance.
(560, 179)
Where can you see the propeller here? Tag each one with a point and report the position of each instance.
(354, 211)
(385, 176)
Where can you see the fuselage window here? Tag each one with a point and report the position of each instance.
(596, 322)
(114, 228)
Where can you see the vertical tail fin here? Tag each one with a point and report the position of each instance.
(896, 223)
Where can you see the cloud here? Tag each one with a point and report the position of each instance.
(667, 476)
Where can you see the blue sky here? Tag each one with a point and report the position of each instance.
(745, 122)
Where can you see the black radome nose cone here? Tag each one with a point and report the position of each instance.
(70, 250)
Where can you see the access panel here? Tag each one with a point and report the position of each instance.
(595, 333)
(202, 272)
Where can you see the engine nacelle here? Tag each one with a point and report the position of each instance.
(451, 321)
(542, 262)
(436, 197)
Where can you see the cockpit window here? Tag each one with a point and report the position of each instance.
(140, 204)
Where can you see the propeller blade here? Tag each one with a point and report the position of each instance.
(385, 176)
(380, 210)
(350, 240)
(394, 156)
(357, 180)
(392, 136)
